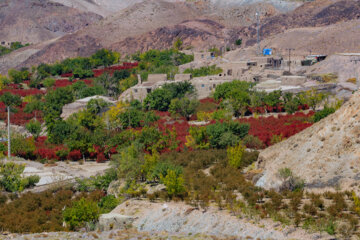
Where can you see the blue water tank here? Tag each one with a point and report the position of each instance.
(267, 51)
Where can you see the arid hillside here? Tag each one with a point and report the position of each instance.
(199, 34)
(133, 21)
(36, 21)
(326, 155)
(311, 14)
(336, 38)
(320, 26)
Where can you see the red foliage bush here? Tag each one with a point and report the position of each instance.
(46, 153)
(100, 157)
(285, 125)
(19, 117)
(75, 155)
(22, 92)
(208, 100)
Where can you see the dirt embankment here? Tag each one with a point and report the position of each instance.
(325, 155)
(181, 218)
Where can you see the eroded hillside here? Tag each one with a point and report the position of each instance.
(326, 155)
(36, 21)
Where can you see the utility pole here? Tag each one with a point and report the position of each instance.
(290, 49)
(9, 137)
(356, 61)
(257, 14)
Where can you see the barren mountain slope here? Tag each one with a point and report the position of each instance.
(335, 38)
(200, 34)
(325, 155)
(34, 21)
(108, 7)
(101, 7)
(135, 20)
(310, 14)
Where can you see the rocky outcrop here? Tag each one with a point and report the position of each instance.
(177, 217)
(114, 221)
(325, 155)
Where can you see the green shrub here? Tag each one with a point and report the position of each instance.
(100, 182)
(184, 107)
(160, 98)
(48, 82)
(34, 127)
(82, 211)
(108, 203)
(162, 168)
(253, 142)
(323, 113)
(216, 133)
(204, 71)
(11, 180)
(62, 154)
(174, 183)
(235, 155)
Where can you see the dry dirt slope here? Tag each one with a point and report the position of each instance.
(325, 155)
(34, 21)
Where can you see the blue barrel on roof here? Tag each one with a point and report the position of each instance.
(267, 51)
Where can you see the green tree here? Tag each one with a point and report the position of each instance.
(204, 71)
(54, 102)
(159, 99)
(223, 91)
(174, 183)
(97, 105)
(82, 211)
(109, 84)
(312, 98)
(291, 105)
(238, 42)
(178, 44)
(10, 100)
(239, 101)
(128, 163)
(122, 74)
(185, 107)
(235, 154)
(11, 180)
(80, 139)
(273, 98)
(323, 113)
(34, 127)
(49, 82)
(21, 146)
(18, 76)
(104, 57)
(60, 131)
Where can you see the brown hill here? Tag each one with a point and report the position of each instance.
(133, 21)
(34, 21)
(310, 14)
(199, 34)
(325, 155)
(156, 24)
(331, 39)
